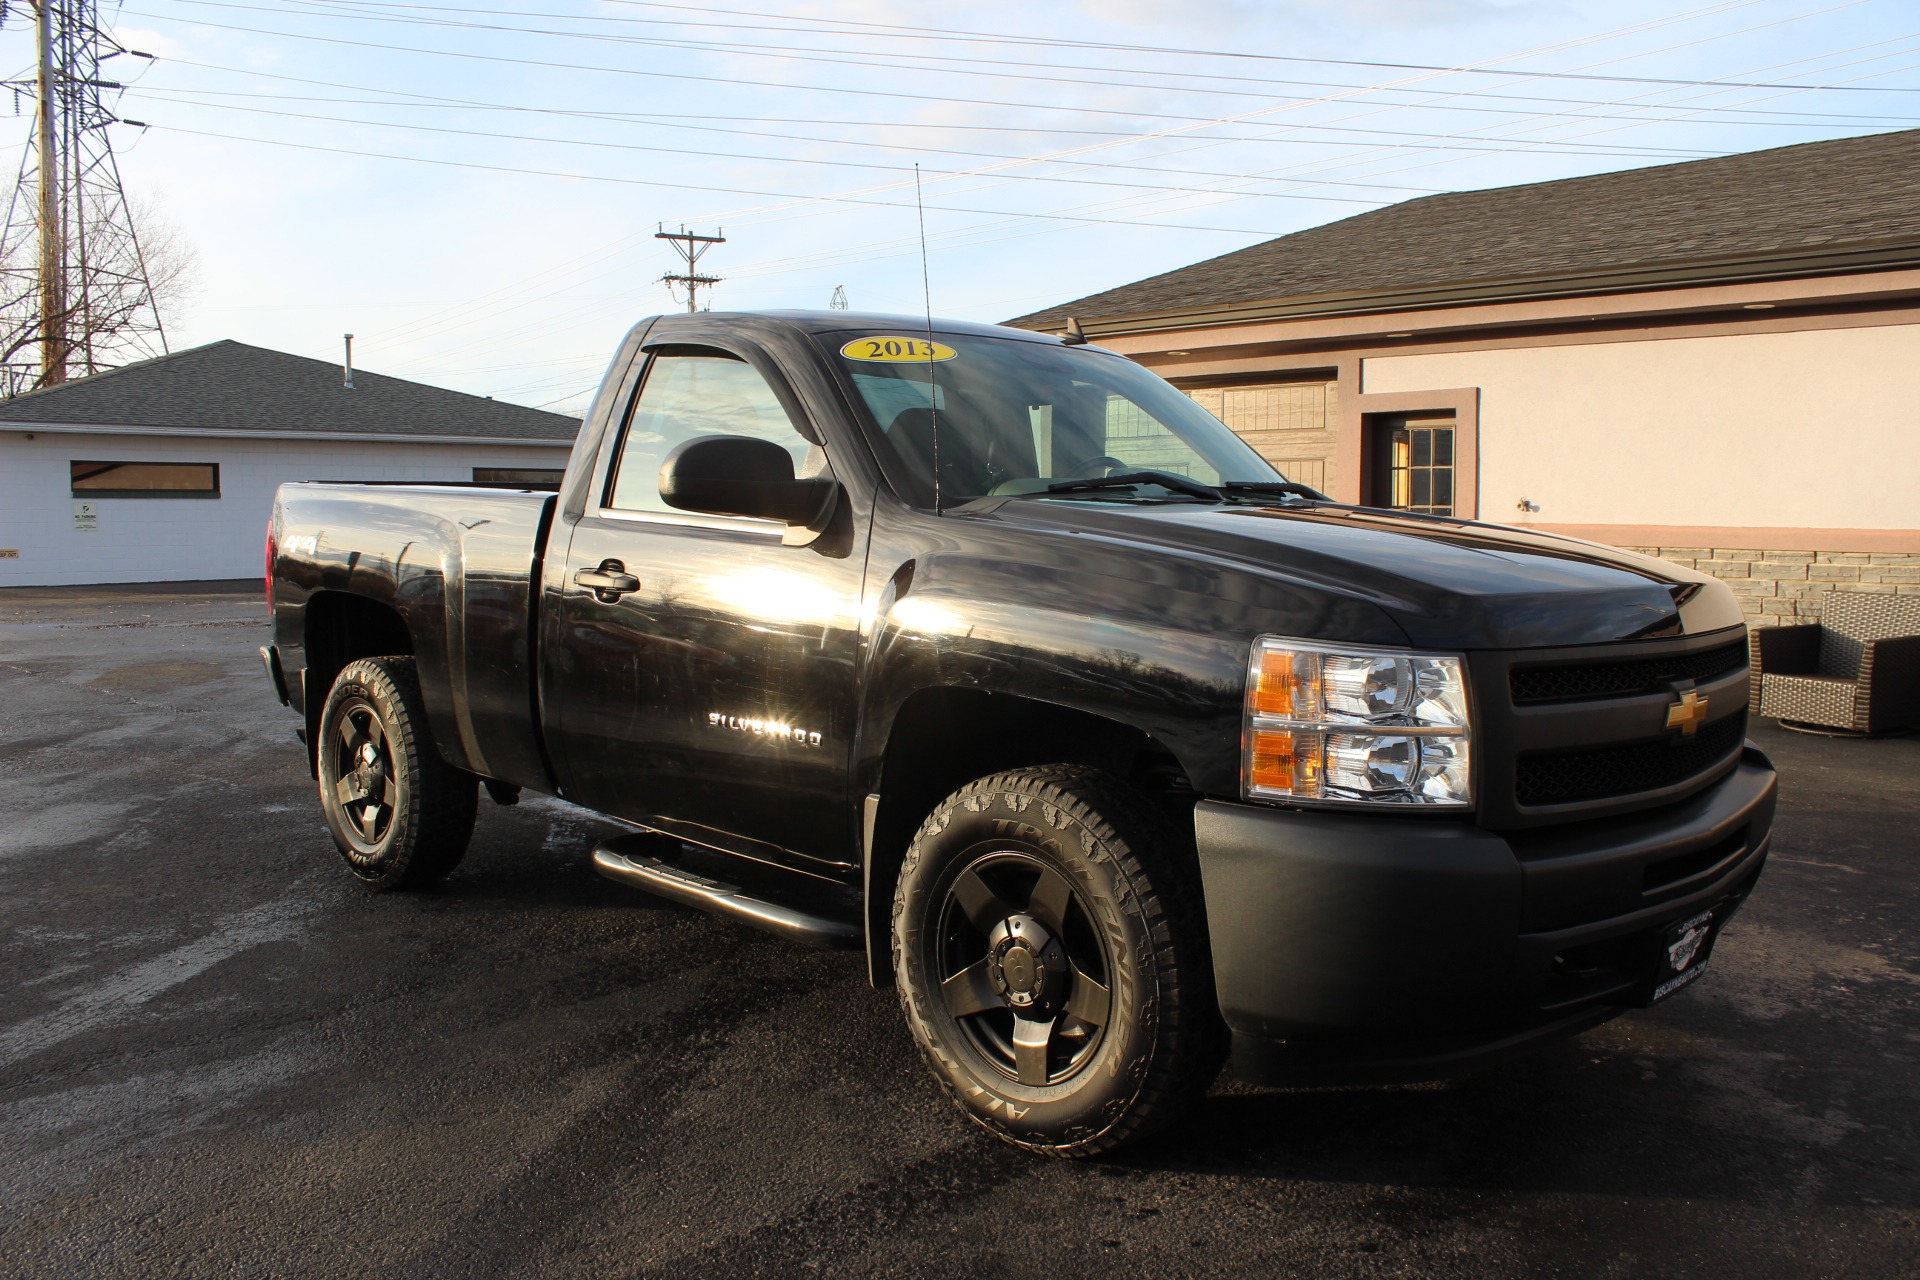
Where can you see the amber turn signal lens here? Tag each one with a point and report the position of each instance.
(1272, 760)
(1286, 762)
(1273, 692)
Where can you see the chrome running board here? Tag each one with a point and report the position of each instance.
(635, 861)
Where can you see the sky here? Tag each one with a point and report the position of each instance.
(473, 188)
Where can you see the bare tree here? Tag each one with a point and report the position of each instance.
(128, 272)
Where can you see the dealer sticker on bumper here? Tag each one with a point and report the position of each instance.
(1684, 943)
(1672, 985)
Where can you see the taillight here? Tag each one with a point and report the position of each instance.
(270, 551)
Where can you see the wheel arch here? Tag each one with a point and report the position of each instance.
(340, 627)
(945, 736)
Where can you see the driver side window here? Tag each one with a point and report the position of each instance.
(691, 392)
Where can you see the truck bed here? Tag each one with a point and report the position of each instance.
(460, 564)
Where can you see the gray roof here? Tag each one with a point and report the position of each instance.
(230, 386)
(1799, 203)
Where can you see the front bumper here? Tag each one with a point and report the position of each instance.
(1356, 945)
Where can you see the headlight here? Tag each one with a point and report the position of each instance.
(1357, 726)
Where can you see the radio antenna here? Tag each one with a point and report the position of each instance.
(926, 294)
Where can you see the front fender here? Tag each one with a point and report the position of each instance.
(1183, 691)
(1154, 641)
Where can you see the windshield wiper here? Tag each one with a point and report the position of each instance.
(1168, 480)
(1280, 488)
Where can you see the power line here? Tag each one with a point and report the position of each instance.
(863, 58)
(1353, 90)
(1175, 131)
(902, 31)
(832, 256)
(883, 30)
(1109, 206)
(1514, 133)
(686, 186)
(742, 81)
(194, 97)
(1428, 137)
(668, 120)
(1798, 118)
(1057, 220)
(735, 81)
(1631, 122)
(1635, 122)
(814, 53)
(974, 231)
(1794, 119)
(848, 164)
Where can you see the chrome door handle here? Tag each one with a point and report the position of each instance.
(609, 582)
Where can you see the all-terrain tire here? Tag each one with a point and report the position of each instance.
(1127, 948)
(399, 813)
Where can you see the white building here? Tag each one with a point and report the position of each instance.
(165, 470)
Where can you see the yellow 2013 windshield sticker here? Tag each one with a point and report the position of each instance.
(897, 350)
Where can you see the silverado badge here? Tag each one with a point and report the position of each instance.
(1687, 713)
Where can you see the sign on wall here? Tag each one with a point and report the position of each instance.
(86, 517)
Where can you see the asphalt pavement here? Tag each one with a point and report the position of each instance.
(220, 1056)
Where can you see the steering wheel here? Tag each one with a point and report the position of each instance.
(1105, 462)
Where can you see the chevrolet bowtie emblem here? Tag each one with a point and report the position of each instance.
(1688, 713)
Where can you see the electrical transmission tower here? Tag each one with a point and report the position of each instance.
(76, 292)
(690, 247)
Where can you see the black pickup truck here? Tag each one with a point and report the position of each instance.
(993, 654)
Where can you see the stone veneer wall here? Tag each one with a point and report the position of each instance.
(1778, 587)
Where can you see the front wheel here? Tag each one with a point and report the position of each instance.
(400, 815)
(1052, 962)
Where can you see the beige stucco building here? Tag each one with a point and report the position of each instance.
(1717, 360)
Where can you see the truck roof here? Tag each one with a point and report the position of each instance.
(837, 321)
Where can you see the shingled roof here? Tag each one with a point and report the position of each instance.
(230, 386)
(1645, 227)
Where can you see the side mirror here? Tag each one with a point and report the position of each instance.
(741, 476)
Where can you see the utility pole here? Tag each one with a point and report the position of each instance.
(690, 246)
(839, 301)
(53, 273)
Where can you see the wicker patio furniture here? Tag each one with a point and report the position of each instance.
(1856, 670)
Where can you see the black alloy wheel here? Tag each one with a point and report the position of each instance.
(1052, 963)
(364, 785)
(399, 813)
(1022, 970)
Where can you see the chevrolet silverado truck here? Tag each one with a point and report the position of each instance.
(995, 656)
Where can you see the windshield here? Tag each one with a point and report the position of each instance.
(1014, 417)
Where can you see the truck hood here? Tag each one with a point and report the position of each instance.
(1455, 584)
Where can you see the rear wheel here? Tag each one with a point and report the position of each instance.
(1052, 962)
(400, 815)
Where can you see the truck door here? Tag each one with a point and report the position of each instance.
(702, 670)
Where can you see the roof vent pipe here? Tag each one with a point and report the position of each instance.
(348, 367)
